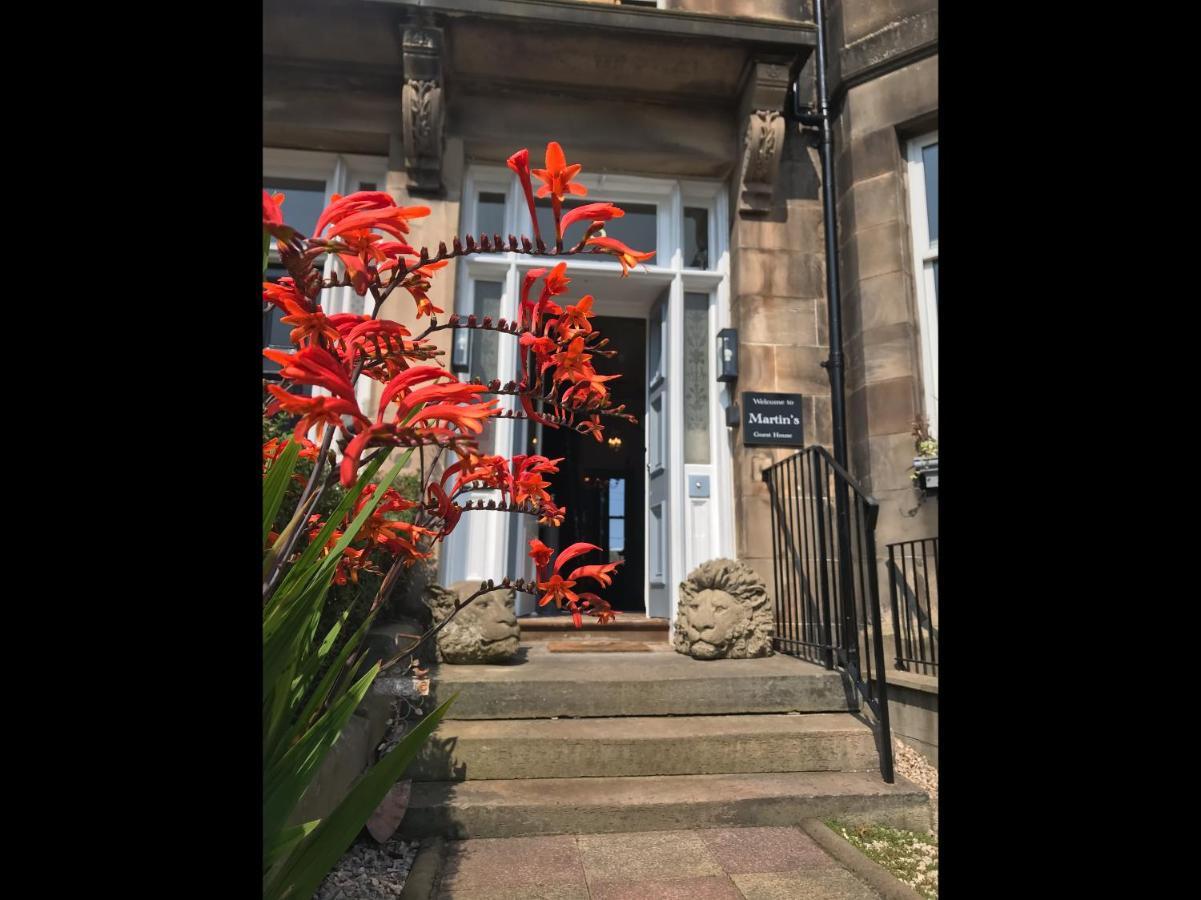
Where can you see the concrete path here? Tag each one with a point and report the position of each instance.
(714, 864)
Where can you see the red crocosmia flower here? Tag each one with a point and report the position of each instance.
(575, 318)
(577, 549)
(273, 217)
(314, 411)
(353, 453)
(452, 393)
(549, 514)
(406, 380)
(425, 306)
(557, 589)
(530, 486)
(464, 417)
(627, 257)
(588, 393)
(595, 212)
(440, 506)
(571, 364)
(367, 210)
(310, 328)
(285, 296)
(557, 175)
(527, 305)
(374, 336)
(488, 471)
(540, 554)
(316, 366)
(598, 573)
(519, 162)
(556, 281)
(593, 427)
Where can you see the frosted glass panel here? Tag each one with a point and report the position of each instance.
(696, 378)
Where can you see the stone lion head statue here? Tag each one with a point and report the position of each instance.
(483, 631)
(723, 612)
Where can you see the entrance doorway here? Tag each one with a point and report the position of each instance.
(602, 483)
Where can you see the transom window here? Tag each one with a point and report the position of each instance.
(923, 217)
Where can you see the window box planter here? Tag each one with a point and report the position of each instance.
(927, 473)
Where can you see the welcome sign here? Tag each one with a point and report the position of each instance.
(771, 420)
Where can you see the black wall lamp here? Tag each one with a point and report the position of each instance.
(727, 354)
(727, 368)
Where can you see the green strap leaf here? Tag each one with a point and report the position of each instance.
(311, 861)
(275, 485)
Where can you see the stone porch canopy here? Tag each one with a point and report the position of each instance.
(655, 91)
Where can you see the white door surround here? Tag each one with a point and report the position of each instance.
(493, 545)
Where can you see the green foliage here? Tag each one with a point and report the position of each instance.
(310, 691)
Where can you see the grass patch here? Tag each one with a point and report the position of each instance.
(909, 855)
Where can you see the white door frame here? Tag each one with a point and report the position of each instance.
(484, 543)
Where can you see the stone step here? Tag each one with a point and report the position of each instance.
(638, 746)
(625, 627)
(538, 684)
(527, 807)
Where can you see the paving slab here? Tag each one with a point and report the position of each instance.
(682, 864)
(741, 851)
(803, 884)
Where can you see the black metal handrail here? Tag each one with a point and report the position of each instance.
(827, 598)
(915, 631)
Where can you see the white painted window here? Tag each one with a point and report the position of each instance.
(308, 180)
(923, 217)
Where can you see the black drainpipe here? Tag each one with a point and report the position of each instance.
(821, 119)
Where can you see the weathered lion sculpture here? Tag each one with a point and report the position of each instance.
(723, 613)
(484, 631)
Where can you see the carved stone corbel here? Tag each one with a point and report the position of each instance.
(422, 108)
(764, 93)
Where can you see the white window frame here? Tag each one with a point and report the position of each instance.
(487, 555)
(342, 173)
(925, 256)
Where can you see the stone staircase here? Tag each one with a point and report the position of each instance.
(615, 742)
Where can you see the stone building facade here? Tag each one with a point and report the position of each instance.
(682, 112)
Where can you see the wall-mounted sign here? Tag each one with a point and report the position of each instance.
(771, 420)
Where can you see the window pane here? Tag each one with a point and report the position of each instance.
(930, 167)
(617, 496)
(484, 344)
(617, 537)
(490, 215)
(303, 201)
(637, 229)
(696, 238)
(696, 378)
(367, 186)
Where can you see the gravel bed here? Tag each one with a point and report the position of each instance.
(370, 871)
(915, 767)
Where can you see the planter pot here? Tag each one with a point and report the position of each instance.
(927, 473)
